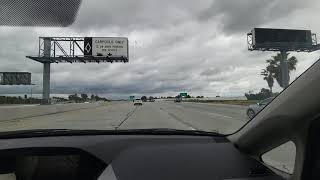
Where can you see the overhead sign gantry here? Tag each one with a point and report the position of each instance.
(78, 50)
(82, 50)
(283, 40)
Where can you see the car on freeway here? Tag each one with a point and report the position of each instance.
(177, 99)
(137, 102)
(176, 47)
(254, 109)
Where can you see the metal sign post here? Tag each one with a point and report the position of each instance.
(46, 72)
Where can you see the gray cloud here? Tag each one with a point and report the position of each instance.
(198, 47)
(132, 15)
(213, 71)
(242, 16)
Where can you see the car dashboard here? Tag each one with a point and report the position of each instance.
(124, 157)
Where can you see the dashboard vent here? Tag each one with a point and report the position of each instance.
(259, 171)
(221, 140)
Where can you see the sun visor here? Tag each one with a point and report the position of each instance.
(53, 13)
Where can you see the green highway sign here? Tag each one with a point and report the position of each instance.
(183, 94)
(131, 97)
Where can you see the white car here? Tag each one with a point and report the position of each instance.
(137, 102)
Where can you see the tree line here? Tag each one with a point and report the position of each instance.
(18, 100)
(84, 97)
(168, 97)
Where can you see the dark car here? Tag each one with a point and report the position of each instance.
(177, 100)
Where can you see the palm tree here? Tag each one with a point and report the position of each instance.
(273, 70)
(267, 76)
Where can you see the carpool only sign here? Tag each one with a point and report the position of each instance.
(106, 46)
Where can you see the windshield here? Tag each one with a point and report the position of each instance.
(194, 65)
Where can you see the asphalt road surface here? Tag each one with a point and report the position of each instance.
(124, 115)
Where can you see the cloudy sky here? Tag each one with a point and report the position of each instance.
(197, 47)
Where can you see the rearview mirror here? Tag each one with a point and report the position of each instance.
(54, 13)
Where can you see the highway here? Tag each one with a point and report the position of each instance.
(124, 115)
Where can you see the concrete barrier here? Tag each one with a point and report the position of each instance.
(19, 112)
